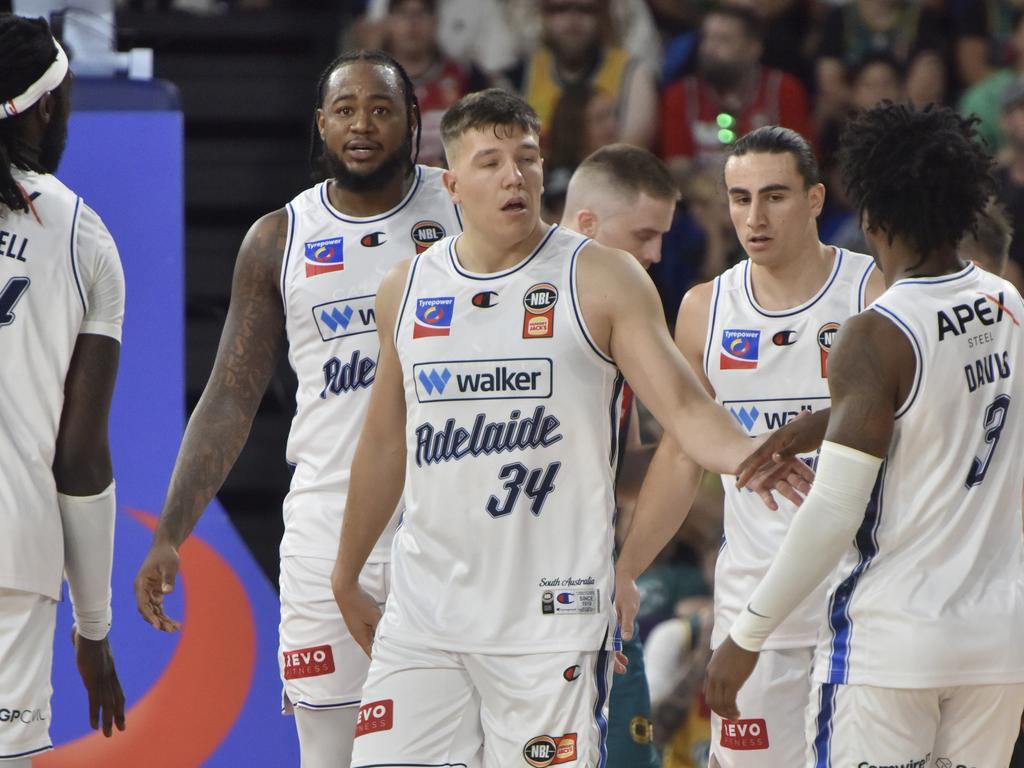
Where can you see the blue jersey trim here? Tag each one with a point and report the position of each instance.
(613, 453)
(287, 257)
(822, 745)
(711, 327)
(839, 619)
(74, 256)
(861, 291)
(577, 312)
(458, 216)
(601, 674)
(339, 705)
(27, 754)
(803, 307)
(919, 372)
(411, 765)
(965, 272)
(405, 296)
(387, 215)
(505, 273)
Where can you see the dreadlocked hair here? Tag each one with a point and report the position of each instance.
(26, 52)
(921, 175)
(412, 104)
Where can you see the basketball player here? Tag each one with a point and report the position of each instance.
(920, 660)
(61, 306)
(624, 197)
(788, 298)
(497, 403)
(309, 272)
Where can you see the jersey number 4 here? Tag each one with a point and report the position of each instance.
(9, 296)
(538, 484)
(995, 418)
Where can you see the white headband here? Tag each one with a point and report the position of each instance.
(50, 79)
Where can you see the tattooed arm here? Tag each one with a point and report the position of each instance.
(221, 421)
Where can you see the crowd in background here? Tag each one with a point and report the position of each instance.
(685, 78)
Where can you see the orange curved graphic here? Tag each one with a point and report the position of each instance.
(194, 704)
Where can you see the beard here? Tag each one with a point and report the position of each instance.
(391, 166)
(720, 75)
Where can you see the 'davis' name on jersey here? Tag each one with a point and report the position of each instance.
(452, 442)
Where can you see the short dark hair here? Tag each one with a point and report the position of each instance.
(490, 108)
(632, 170)
(26, 52)
(380, 58)
(921, 175)
(883, 57)
(994, 233)
(776, 140)
(753, 28)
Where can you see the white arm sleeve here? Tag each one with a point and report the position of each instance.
(88, 523)
(101, 275)
(821, 531)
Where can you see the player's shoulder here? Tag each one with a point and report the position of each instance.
(696, 303)
(266, 239)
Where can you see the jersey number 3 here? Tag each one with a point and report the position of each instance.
(539, 483)
(9, 297)
(995, 418)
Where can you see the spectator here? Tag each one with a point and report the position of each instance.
(730, 95)
(790, 35)
(467, 30)
(984, 37)
(575, 51)
(632, 23)
(910, 31)
(1009, 175)
(410, 36)
(983, 98)
(583, 122)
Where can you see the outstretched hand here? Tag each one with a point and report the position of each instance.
(728, 670)
(774, 466)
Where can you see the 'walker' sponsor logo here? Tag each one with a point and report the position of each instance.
(759, 416)
(509, 379)
(739, 349)
(375, 717)
(744, 734)
(345, 317)
(453, 442)
(308, 662)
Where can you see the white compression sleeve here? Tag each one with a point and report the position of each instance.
(821, 531)
(88, 523)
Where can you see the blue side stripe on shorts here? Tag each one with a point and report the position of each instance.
(601, 672)
(823, 740)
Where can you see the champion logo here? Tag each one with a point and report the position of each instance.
(337, 318)
(434, 381)
(747, 418)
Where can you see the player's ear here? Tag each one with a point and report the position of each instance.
(450, 182)
(320, 120)
(586, 222)
(816, 197)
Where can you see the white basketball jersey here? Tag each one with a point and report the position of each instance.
(767, 367)
(332, 266)
(512, 430)
(931, 593)
(48, 262)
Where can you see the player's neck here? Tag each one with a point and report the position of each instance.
(900, 261)
(794, 281)
(370, 202)
(478, 253)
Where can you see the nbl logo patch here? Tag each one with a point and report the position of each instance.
(739, 349)
(542, 751)
(539, 315)
(433, 317)
(426, 233)
(826, 335)
(323, 256)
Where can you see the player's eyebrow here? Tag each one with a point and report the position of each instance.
(345, 96)
(761, 191)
